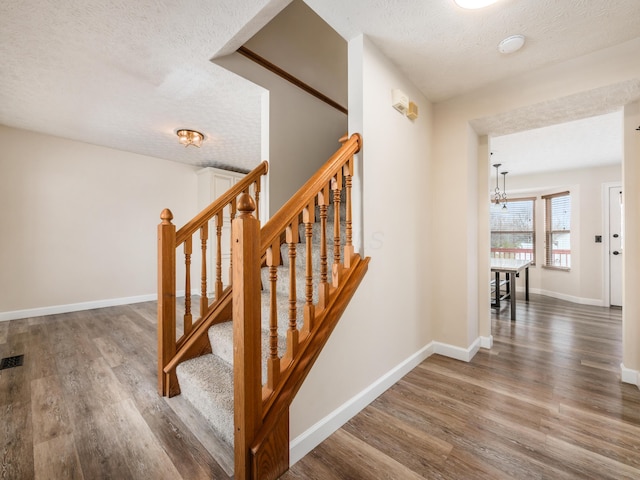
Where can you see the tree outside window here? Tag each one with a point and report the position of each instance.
(558, 230)
(513, 229)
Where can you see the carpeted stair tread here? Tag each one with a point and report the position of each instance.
(221, 339)
(207, 382)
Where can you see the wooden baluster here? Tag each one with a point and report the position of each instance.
(256, 188)
(204, 301)
(323, 287)
(292, 239)
(246, 333)
(308, 217)
(219, 220)
(336, 186)
(166, 301)
(188, 319)
(348, 247)
(232, 215)
(273, 362)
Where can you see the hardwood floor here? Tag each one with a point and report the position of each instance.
(545, 403)
(84, 404)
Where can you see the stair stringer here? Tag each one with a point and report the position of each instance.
(270, 458)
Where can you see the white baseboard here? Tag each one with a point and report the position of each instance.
(486, 342)
(74, 307)
(459, 353)
(595, 302)
(628, 375)
(316, 434)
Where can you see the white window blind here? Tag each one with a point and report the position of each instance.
(558, 230)
(513, 229)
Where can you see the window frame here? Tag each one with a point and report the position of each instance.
(549, 232)
(532, 231)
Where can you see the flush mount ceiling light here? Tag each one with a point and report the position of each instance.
(190, 137)
(473, 4)
(511, 44)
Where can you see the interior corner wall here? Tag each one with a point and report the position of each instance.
(631, 238)
(303, 131)
(80, 221)
(387, 321)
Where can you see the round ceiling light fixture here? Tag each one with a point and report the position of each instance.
(511, 44)
(474, 4)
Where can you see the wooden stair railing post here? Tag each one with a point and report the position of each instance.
(348, 246)
(336, 271)
(308, 218)
(166, 300)
(246, 334)
(188, 317)
(292, 238)
(323, 287)
(273, 361)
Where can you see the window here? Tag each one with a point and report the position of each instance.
(557, 230)
(513, 232)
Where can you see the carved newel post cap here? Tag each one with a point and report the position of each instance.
(246, 205)
(166, 216)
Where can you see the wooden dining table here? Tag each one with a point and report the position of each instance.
(511, 268)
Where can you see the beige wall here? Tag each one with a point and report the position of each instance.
(387, 321)
(584, 282)
(79, 221)
(302, 131)
(453, 175)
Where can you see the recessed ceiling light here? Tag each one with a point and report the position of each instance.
(511, 44)
(473, 4)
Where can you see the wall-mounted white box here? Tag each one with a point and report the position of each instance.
(399, 100)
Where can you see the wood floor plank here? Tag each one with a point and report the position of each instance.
(16, 445)
(545, 403)
(48, 410)
(57, 458)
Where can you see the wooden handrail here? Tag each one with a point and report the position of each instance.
(263, 62)
(262, 428)
(219, 203)
(305, 195)
(261, 418)
(172, 350)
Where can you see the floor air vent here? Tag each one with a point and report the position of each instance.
(10, 362)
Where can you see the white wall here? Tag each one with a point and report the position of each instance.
(387, 321)
(80, 221)
(584, 282)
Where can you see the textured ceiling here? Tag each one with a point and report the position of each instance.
(447, 50)
(127, 74)
(585, 143)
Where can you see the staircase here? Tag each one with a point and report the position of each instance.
(207, 381)
(291, 280)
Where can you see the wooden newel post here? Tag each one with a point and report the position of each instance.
(166, 300)
(245, 239)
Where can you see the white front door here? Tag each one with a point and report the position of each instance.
(615, 246)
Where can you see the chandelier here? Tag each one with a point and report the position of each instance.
(500, 196)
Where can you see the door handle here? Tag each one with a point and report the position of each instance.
(616, 252)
